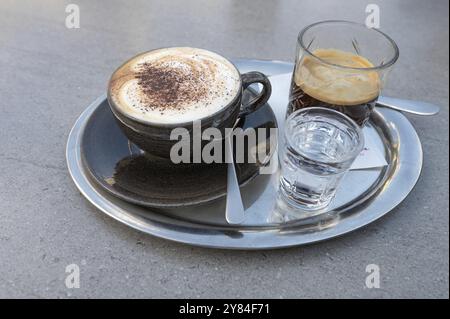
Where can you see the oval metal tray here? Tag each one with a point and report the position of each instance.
(365, 195)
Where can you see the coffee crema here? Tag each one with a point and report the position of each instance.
(340, 80)
(337, 85)
(174, 85)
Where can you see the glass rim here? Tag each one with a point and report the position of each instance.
(353, 154)
(374, 68)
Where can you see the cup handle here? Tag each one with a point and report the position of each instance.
(259, 100)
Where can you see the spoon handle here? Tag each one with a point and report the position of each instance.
(234, 212)
(409, 106)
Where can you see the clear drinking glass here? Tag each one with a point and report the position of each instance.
(341, 65)
(319, 146)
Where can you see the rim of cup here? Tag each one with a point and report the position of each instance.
(304, 46)
(341, 118)
(173, 125)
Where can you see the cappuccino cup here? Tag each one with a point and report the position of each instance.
(158, 91)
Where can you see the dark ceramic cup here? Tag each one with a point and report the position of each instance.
(154, 138)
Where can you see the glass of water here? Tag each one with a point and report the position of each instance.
(319, 146)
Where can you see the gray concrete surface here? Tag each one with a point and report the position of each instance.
(49, 74)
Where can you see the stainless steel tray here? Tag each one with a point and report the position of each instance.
(364, 196)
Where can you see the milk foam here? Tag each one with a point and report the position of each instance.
(335, 85)
(174, 85)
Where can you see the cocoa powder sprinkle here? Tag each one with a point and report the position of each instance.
(167, 87)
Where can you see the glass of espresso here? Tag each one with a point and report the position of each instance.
(343, 66)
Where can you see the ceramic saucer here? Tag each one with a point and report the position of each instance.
(125, 171)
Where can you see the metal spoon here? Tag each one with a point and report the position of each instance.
(234, 211)
(409, 106)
